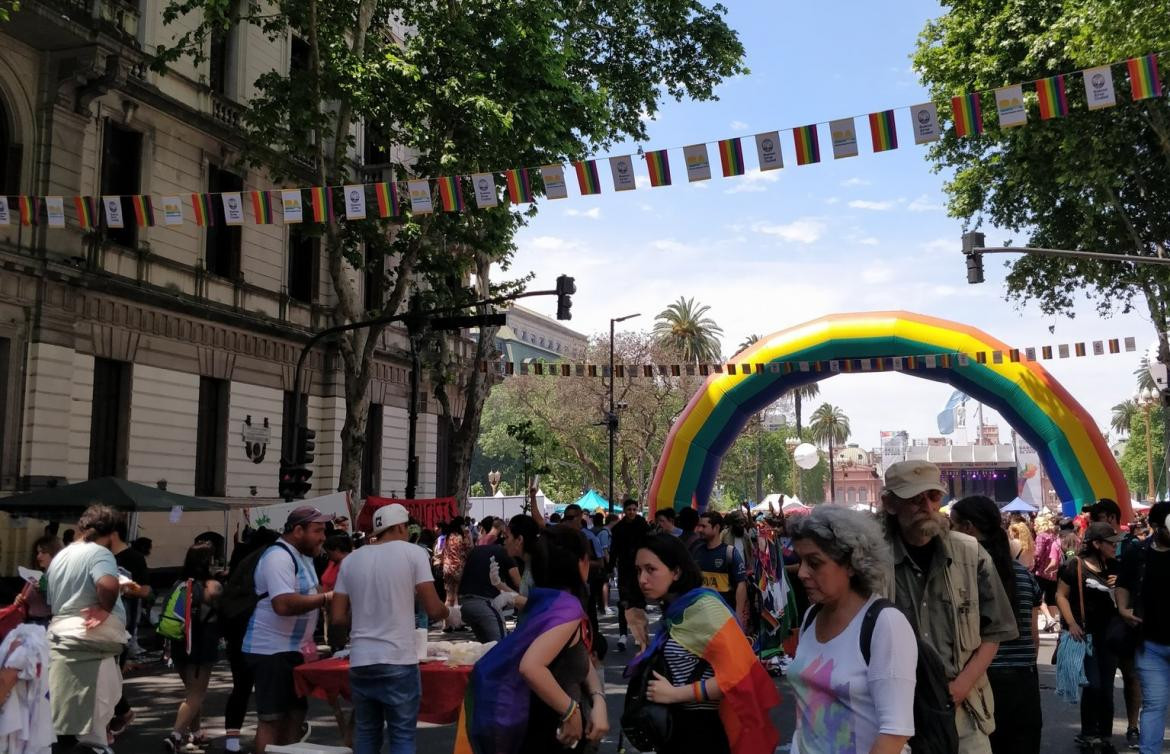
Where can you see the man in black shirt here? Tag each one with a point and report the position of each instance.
(1143, 576)
(479, 595)
(131, 563)
(628, 535)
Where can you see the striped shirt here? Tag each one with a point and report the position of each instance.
(1021, 653)
(681, 665)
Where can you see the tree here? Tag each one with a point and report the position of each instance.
(1123, 414)
(460, 87)
(1134, 460)
(830, 425)
(684, 328)
(800, 394)
(748, 342)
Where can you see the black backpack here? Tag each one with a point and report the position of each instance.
(934, 712)
(239, 597)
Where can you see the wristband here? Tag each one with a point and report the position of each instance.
(697, 691)
(703, 686)
(569, 712)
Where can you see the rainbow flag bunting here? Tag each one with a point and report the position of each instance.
(320, 204)
(1144, 80)
(658, 163)
(882, 131)
(519, 186)
(87, 211)
(451, 193)
(1053, 100)
(262, 207)
(731, 157)
(201, 204)
(588, 179)
(808, 148)
(29, 209)
(386, 197)
(143, 209)
(968, 114)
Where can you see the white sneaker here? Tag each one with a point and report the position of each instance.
(621, 643)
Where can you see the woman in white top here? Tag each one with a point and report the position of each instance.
(843, 704)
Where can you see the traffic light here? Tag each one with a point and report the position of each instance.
(306, 446)
(565, 289)
(971, 242)
(285, 481)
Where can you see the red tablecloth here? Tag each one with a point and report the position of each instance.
(442, 686)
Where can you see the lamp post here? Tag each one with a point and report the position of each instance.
(611, 420)
(1147, 400)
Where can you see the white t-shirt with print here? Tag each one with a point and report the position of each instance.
(842, 705)
(276, 574)
(380, 581)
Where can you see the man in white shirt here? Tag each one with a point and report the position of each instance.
(280, 631)
(375, 593)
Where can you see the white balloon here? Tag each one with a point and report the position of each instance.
(807, 456)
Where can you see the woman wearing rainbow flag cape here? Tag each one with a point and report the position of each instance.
(716, 692)
(538, 691)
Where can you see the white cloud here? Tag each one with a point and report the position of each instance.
(924, 204)
(753, 181)
(669, 244)
(702, 185)
(804, 230)
(593, 213)
(646, 207)
(832, 200)
(942, 246)
(875, 206)
(868, 241)
(877, 274)
(549, 243)
(738, 126)
(852, 182)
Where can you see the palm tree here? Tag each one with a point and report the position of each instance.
(748, 342)
(1123, 414)
(684, 328)
(1145, 380)
(830, 424)
(809, 391)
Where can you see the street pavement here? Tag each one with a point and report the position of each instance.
(156, 692)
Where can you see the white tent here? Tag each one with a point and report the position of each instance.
(1019, 505)
(773, 502)
(505, 506)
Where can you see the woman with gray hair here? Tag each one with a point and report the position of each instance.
(848, 699)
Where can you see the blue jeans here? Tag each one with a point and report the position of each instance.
(1153, 667)
(385, 706)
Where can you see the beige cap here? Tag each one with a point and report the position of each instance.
(908, 479)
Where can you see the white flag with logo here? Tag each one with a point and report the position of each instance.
(1099, 87)
(768, 150)
(233, 208)
(925, 122)
(355, 202)
(113, 209)
(420, 197)
(55, 211)
(485, 190)
(623, 173)
(5, 214)
(292, 204)
(554, 182)
(172, 210)
(844, 134)
(698, 162)
(1009, 102)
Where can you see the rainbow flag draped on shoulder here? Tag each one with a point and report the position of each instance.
(495, 709)
(703, 624)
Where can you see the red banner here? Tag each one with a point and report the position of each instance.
(429, 512)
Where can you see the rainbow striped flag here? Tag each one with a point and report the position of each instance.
(703, 624)
(731, 157)
(587, 178)
(262, 207)
(451, 193)
(968, 113)
(808, 148)
(658, 163)
(519, 186)
(201, 204)
(320, 204)
(1144, 80)
(1053, 100)
(29, 210)
(143, 209)
(883, 131)
(494, 717)
(87, 210)
(386, 197)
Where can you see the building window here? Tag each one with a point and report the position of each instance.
(863, 495)
(121, 176)
(109, 428)
(211, 437)
(304, 262)
(286, 423)
(850, 495)
(222, 58)
(10, 155)
(372, 454)
(299, 53)
(223, 241)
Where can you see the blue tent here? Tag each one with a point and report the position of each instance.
(589, 503)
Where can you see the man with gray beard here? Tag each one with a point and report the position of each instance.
(947, 586)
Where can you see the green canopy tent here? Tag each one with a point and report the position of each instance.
(67, 503)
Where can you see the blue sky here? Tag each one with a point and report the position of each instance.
(768, 251)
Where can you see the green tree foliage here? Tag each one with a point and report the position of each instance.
(7, 8)
(685, 329)
(1122, 416)
(454, 87)
(737, 473)
(1134, 462)
(1094, 180)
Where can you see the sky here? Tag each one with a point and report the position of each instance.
(767, 251)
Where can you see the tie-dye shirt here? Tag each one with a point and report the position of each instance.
(841, 704)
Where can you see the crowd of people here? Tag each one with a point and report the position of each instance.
(916, 629)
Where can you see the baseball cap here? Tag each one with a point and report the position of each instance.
(908, 479)
(306, 514)
(387, 516)
(1099, 531)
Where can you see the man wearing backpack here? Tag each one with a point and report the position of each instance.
(947, 586)
(280, 631)
(722, 566)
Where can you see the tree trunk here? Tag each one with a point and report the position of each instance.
(353, 431)
(796, 404)
(832, 473)
(759, 457)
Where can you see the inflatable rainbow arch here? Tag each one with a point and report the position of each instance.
(1071, 447)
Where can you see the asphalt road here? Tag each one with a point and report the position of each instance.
(155, 694)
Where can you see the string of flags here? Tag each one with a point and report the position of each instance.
(384, 200)
(824, 366)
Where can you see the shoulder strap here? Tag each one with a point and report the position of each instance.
(295, 560)
(868, 623)
(810, 616)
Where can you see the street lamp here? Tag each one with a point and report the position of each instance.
(611, 420)
(1147, 399)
